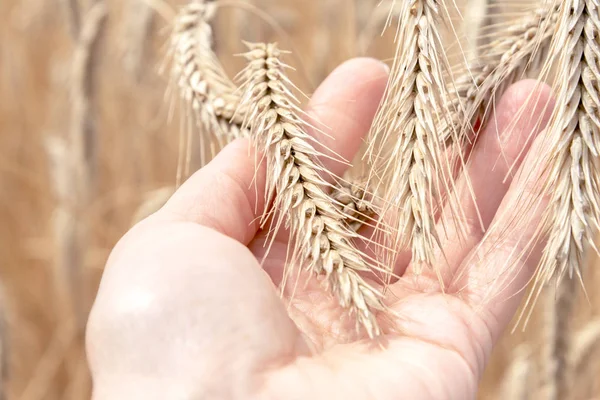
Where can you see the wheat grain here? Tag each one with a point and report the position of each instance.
(4, 346)
(355, 202)
(320, 240)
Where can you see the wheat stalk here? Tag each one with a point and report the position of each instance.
(4, 346)
(515, 384)
(72, 12)
(320, 240)
(73, 165)
(556, 373)
(140, 18)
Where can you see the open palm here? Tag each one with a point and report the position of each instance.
(186, 310)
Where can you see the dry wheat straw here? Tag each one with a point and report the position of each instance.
(556, 373)
(139, 20)
(516, 383)
(4, 346)
(585, 348)
(320, 240)
(72, 12)
(74, 162)
(413, 108)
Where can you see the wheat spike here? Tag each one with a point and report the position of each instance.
(405, 150)
(204, 87)
(574, 132)
(320, 240)
(522, 47)
(572, 219)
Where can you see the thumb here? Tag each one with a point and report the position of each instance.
(227, 195)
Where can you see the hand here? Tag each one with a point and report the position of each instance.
(185, 310)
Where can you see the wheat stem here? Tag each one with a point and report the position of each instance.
(140, 18)
(73, 14)
(557, 374)
(4, 347)
(74, 165)
(516, 381)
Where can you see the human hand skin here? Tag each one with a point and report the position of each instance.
(186, 311)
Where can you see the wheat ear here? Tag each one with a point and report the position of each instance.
(523, 46)
(406, 153)
(320, 240)
(213, 97)
(573, 183)
(207, 93)
(72, 13)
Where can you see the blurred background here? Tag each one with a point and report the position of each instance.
(89, 144)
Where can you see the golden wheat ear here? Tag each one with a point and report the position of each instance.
(572, 179)
(522, 47)
(321, 241)
(406, 153)
(207, 94)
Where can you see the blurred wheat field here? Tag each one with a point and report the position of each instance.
(135, 152)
